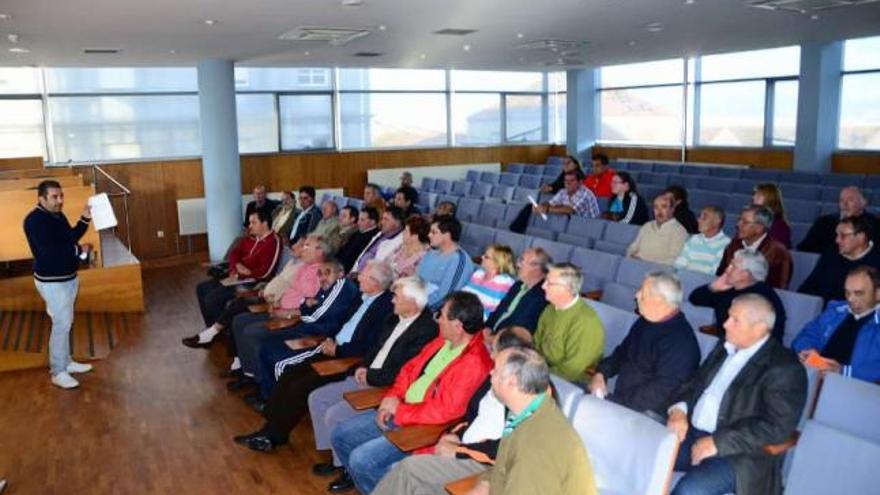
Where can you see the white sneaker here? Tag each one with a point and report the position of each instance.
(75, 367)
(64, 380)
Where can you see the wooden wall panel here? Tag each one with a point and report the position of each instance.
(856, 163)
(118, 289)
(777, 159)
(24, 163)
(157, 185)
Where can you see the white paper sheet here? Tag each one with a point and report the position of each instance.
(102, 212)
(535, 204)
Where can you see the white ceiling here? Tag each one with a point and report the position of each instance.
(173, 32)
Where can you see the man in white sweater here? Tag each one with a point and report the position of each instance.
(661, 240)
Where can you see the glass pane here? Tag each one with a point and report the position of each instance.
(393, 119)
(476, 118)
(557, 82)
(524, 118)
(785, 103)
(283, 79)
(19, 80)
(122, 80)
(774, 62)
(125, 127)
(860, 112)
(482, 80)
(306, 122)
(642, 74)
(392, 79)
(257, 130)
(861, 54)
(732, 114)
(21, 128)
(641, 116)
(558, 115)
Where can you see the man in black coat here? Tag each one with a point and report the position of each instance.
(524, 302)
(309, 215)
(852, 203)
(853, 248)
(749, 393)
(367, 225)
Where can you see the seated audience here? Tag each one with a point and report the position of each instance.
(405, 198)
(573, 199)
(493, 279)
(328, 227)
(253, 259)
(569, 334)
(432, 388)
(260, 202)
(348, 218)
(526, 300)
(406, 181)
(446, 267)
(571, 164)
(683, 212)
(769, 196)
(386, 241)
(748, 393)
(752, 234)
(601, 175)
(283, 216)
(746, 274)
(626, 205)
(702, 252)
(660, 240)
(658, 355)
(368, 228)
(469, 448)
(373, 197)
(539, 452)
(406, 258)
(308, 217)
(854, 248)
(852, 203)
(846, 334)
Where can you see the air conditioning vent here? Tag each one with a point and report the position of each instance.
(367, 54)
(455, 32)
(332, 35)
(805, 6)
(552, 45)
(101, 51)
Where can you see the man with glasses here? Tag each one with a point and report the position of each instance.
(854, 248)
(852, 203)
(752, 230)
(524, 302)
(308, 218)
(573, 199)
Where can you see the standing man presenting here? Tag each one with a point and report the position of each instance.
(57, 254)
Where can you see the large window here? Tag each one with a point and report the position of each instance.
(732, 114)
(257, 123)
(21, 128)
(476, 118)
(641, 115)
(306, 122)
(859, 98)
(382, 120)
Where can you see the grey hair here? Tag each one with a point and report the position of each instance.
(761, 311)
(334, 205)
(529, 368)
(667, 285)
(752, 262)
(858, 191)
(763, 215)
(544, 258)
(381, 272)
(717, 211)
(323, 245)
(413, 288)
(570, 275)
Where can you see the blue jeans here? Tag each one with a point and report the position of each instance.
(60, 298)
(364, 451)
(713, 476)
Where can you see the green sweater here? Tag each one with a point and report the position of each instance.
(543, 455)
(571, 340)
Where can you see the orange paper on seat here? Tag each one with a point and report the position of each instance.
(814, 360)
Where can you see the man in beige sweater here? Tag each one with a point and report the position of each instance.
(661, 240)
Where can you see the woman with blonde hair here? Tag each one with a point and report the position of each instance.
(770, 196)
(494, 278)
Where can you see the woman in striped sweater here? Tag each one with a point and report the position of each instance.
(626, 205)
(494, 278)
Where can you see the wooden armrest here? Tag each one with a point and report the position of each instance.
(304, 343)
(711, 330)
(332, 367)
(280, 323)
(412, 437)
(781, 448)
(244, 294)
(361, 400)
(594, 295)
(260, 308)
(463, 485)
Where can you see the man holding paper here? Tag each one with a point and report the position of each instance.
(573, 199)
(57, 254)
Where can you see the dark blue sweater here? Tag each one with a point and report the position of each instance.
(652, 362)
(53, 243)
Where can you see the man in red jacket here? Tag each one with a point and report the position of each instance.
(432, 388)
(599, 180)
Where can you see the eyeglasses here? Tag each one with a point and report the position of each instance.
(846, 234)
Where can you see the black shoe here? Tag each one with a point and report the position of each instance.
(193, 342)
(325, 469)
(232, 373)
(260, 443)
(343, 483)
(240, 383)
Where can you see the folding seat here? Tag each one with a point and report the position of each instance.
(629, 452)
(341, 201)
(802, 265)
(509, 179)
(762, 175)
(555, 160)
(800, 309)
(473, 176)
(736, 202)
(541, 233)
(873, 197)
(698, 316)
(798, 232)
(729, 227)
(699, 199)
(828, 209)
(502, 193)
(510, 212)
(427, 200)
(357, 203)
(706, 342)
(872, 181)
(690, 280)
(616, 323)
(491, 214)
(326, 197)
(728, 172)
(521, 194)
(797, 177)
(632, 272)
(667, 168)
(620, 233)
(558, 251)
(792, 190)
(592, 228)
(475, 238)
(597, 267)
(699, 170)
(468, 209)
(461, 187)
(801, 210)
(556, 223)
(656, 179)
(427, 184)
(448, 197)
(829, 193)
(745, 186)
(480, 190)
(530, 181)
(686, 181)
(569, 394)
(490, 177)
(619, 295)
(849, 404)
(717, 184)
(515, 168)
(610, 247)
(842, 180)
(516, 242)
(442, 186)
(532, 169)
(641, 166)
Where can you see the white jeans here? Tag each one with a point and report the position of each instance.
(59, 297)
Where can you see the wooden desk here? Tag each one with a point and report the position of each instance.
(281, 323)
(332, 367)
(462, 486)
(361, 400)
(30, 184)
(413, 437)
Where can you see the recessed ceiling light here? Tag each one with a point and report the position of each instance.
(210, 22)
(382, 27)
(18, 49)
(5, 17)
(814, 17)
(466, 48)
(632, 43)
(352, 3)
(307, 53)
(654, 27)
(13, 38)
(689, 2)
(173, 52)
(520, 35)
(423, 56)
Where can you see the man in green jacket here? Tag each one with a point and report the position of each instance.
(540, 453)
(569, 335)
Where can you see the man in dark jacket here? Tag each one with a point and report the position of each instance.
(659, 354)
(367, 224)
(524, 302)
(309, 216)
(852, 203)
(749, 393)
(260, 202)
(57, 254)
(403, 335)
